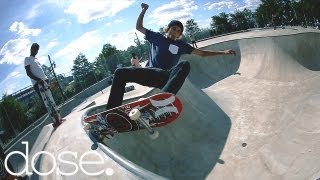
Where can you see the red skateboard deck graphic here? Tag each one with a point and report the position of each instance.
(157, 110)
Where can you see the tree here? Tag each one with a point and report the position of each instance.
(48, 72)
(12, 116)
(191, 29)
(82, 71)
(100, 66)
(221, 24)
(265, 10)
(294, 12)
(309, 11)
(241, 20)
(36, 109)
(108, 52)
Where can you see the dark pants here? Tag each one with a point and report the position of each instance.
(166, 80)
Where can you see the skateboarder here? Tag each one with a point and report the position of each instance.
(163, 69)
(37, 75)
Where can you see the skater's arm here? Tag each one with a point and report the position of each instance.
(204, 53)
(139, 24)
(31, 75)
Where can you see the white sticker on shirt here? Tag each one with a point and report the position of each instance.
(173, 49)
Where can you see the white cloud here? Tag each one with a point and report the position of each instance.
(178, 9)
(23, 30)
(83, 44)
(109, 24)
(14, 74)
(87, 11)
(34, 12)
(90, 44)
(250, 4)
(14, 81)
(14, 51)
(230, 4)
(119, 20)
(204, 23)
(124, 39)
(52, 44)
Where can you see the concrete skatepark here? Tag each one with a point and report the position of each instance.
(250, 116)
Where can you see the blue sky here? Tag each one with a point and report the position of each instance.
(65, 28)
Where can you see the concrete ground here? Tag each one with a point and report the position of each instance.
(250, 116)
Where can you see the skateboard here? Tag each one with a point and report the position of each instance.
(49, 103)
(148, 113)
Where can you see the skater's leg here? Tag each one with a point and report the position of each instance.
(57, 116)
(177, 76)
(51, 106)
(152, 77)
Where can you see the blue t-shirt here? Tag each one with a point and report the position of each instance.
(165, 53)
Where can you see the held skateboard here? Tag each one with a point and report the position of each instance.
(49, 103)
(154, 111)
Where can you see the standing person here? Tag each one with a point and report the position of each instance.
(135, 61)
(274, 21)
(163, 69)
(38, 77)
(193, 40)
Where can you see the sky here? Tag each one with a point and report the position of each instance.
(64, 28)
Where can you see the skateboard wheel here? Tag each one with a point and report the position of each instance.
(87, 127)
(155, 135)
(134, 114)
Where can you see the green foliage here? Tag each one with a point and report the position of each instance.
(83, 70)
(70, 90)
(265, 10)
(12, 116)
(48, 71)
(288, 12)
(221, 23)
(242, 20)
(109, 54)
(191, 27)
(36, 109)
(100, 66)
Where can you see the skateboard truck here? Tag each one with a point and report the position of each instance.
(135, 116)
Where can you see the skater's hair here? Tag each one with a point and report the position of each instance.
(174, 23)
(35, 46)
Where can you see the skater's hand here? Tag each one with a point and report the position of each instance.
(53, 85)
(230, 51)
(41, 82)
(144, 6)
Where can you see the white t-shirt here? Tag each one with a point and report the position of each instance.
(35, 68)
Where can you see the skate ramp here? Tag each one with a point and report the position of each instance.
(252, 115)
